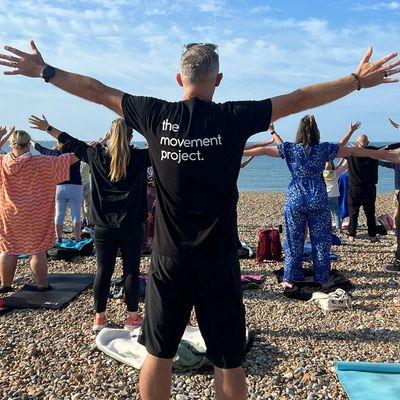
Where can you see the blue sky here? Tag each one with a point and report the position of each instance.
(266, 48)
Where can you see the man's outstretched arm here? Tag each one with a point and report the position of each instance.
(32, 65)
(368, 74)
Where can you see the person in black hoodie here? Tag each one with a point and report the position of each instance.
(119, 207)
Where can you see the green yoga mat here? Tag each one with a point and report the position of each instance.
(369, 381)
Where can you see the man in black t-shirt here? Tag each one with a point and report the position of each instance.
(363, 177)
(196, 147)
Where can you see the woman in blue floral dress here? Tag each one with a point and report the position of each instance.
(306, 201)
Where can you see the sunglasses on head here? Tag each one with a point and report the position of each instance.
(210, 46)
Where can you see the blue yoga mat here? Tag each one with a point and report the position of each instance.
(369, 381)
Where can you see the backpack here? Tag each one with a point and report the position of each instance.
(269, 245)
(386, 220)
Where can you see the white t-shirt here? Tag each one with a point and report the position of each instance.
(331, 180)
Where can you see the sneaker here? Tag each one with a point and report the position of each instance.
(88, 229)
(99, 324)
(394, 266)
(131, 323)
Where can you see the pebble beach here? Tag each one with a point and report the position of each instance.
(50, 354)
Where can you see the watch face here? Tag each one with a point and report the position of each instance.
(48, 72)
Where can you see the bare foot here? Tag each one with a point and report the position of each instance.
(286, 285)
(351, 238)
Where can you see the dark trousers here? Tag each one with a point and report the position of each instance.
(107, 242)
(398, 236)
(398, 228)
(364, 196)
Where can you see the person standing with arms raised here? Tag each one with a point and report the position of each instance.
(119, 207)
(196, 229)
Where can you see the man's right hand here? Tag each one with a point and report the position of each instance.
(23, 63)
(355, 126)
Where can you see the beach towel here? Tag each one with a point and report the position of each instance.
(343, 190)
(65, 288)
(251, 281)
(246, 251)
(369, 381)
(303, 290)
(122, 345)
(69, 249)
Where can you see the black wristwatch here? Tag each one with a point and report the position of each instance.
(49, 128)
(48, 72)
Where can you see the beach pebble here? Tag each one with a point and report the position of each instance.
(51, 355)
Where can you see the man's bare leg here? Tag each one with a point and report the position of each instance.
(230, 384)
(8, 265)
(39, 269)
(155, 378)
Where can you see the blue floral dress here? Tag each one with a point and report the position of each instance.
(306, 203)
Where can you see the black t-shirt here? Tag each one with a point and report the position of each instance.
(118, 204)
(75, 168)
(196, 149)
(363, 170)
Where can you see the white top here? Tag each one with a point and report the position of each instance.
(331, 180)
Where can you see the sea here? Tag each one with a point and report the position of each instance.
(270, 174)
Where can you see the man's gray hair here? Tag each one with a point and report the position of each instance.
(199, 64)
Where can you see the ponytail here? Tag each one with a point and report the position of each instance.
(118, 148)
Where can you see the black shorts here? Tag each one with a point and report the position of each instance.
(209, 284)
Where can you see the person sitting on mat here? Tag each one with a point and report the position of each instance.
(118, 210)
(306, 201)
(27, 196)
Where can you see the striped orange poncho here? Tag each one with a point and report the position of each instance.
(27, 201)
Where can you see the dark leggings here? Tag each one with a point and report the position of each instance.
(107, 242)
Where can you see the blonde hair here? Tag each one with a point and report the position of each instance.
(118, 148)
(19, 139)
(58, 146)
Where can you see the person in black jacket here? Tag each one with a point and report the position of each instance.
(363, 177)
(119, 207)
(68, 193)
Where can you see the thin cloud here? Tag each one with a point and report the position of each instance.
(393, 5)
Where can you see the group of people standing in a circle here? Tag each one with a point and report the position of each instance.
(196, 220)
